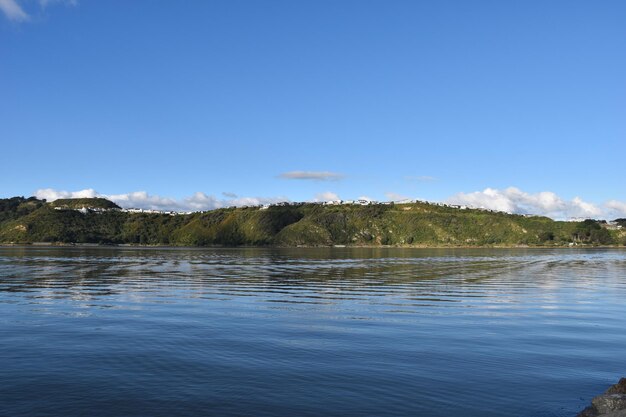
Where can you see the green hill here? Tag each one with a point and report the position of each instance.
(77, 203)
(416, 224)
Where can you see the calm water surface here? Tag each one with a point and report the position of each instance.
(308, 332)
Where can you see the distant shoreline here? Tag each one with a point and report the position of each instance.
(410, 225)
(130, 245)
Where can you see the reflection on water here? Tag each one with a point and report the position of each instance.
(271, 332)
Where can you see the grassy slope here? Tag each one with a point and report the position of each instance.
(305, 224)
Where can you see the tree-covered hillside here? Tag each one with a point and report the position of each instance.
(77, 203)
(417, 224)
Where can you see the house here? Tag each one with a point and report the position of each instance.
(333, 202)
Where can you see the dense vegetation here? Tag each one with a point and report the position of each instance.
(420, 224)
(13, 208)
(77, 203)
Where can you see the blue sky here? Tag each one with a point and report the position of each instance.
(306, 99)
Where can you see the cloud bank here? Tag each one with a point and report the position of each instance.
(141, 199)
(311, 175)
(511, 200)
(617, 207)
(546, 203)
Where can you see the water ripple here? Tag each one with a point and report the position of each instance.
(270, 332)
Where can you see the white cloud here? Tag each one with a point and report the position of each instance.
(199, 201)
(229, 194)
(311, 175)
(326, 196)
(391, 196)
(51, 194)
(253, 201)
(142, 199)
(617, 208)
(13, 11)
(582, 208)
(513, 200)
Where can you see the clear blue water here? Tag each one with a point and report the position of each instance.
(308, 332)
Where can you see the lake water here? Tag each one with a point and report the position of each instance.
(308, 332)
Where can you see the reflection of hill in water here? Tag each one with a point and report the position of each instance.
(299, 275)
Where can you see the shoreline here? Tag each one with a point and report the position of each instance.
(339, 246)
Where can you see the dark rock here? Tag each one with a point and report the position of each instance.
(620, 413)
(619, 388)
(610, 404)
(588, 412)
(607, 403)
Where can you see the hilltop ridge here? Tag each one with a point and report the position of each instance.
(87, 203)
(414, 223)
